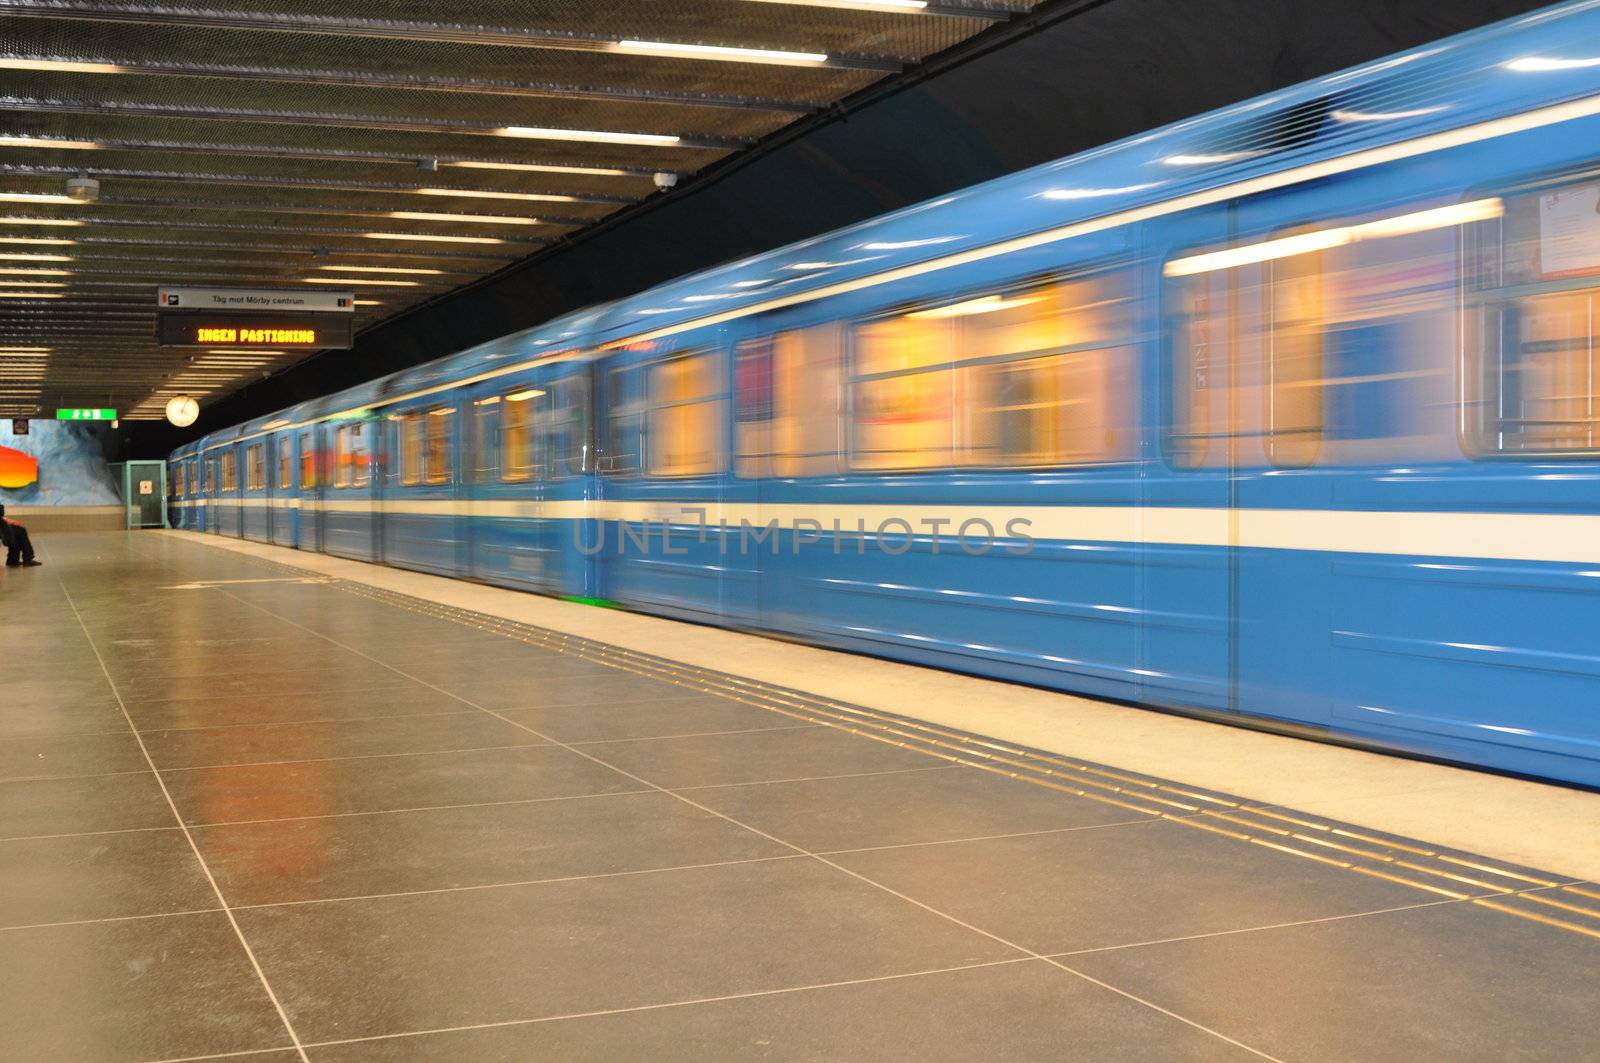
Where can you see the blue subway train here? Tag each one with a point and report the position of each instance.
(1288, 414)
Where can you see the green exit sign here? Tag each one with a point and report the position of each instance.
(86, 415)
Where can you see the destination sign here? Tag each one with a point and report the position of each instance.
(188, 328)
(278, 300)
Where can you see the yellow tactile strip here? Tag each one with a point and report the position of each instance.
(1526, 893)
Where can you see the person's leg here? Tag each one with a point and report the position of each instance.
(21, 543)
(13, 547)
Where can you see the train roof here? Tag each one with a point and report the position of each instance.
(1537, 60)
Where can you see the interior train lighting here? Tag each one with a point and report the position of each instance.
(539, 167)
(417, 271)
(479, 193)
(988, 304)
(524, 396)
(594, 136)
(722, 52)
(429, 238)
(48, 142)
(474, 219)
(1322, 239)
(349, 281)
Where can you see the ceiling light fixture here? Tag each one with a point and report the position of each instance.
(35, 284)
(47, 142)
(473, 219)
(42, 221)
(352, 281)
(907, 6)
(721, 52)
(35, 197)
(429, 238)
(540, 167)
(594, 136)
(18, 256)
(53, 241)
(387, 269)
(10, 272)
(32, 295)
(63, 65)
(478, 193)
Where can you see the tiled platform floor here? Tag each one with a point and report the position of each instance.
(246, 814)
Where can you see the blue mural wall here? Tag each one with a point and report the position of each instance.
(72, 469)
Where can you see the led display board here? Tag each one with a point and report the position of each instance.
(254, 317)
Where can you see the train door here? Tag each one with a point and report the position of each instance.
(1197, 392)
(666, 467)
(313, 471)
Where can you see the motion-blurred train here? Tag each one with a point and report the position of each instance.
(1288, 414)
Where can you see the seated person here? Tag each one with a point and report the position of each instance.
(19, 548)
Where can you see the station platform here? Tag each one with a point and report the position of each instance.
(264, 805)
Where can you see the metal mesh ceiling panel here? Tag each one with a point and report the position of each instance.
(253, 144)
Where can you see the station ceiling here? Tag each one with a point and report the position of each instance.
(382, 147)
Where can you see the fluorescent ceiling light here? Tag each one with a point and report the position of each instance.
(17, 256)
(1534, 64)
(428, 238)
(540, 167)
(351, 282)
(36, 284)
(35, 197)
(64, 65)
(595, 136)
(474, 219)
(478, 193)
(908, 6)
(54, 241)
(988, 304)
(387, 269)
(1323, 239)
(46, 142)
(31, 295)
(26, 350)
(41, 221)
(10, 272)
(369, 302)
(717, 51)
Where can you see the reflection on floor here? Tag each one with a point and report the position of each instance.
(248, 812)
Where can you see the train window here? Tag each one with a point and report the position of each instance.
(408, 430)
(439, 424)
(285, 464)
(625, 414)
(684, 434)
(1326, 344)
(360, 461)
(230, 471)
(567, 427)
(350, 465)
(519, 458)
(787, 394)
(485, 442)
(257, 473)
(308, 462)
(1033, 376)
(341, 456)
(177, 480)
(1532, 379)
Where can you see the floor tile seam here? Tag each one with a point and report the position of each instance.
(317, 722)
(67, 778)
(338, 691)
(862, 878)
(693, 734)
(353, 756)
(225, 1055)
(194, 848)
(481, 887)
(96, 920)
(1042, 833)
(82, 834)
(50, 736)
(754, 994)
(226, 823)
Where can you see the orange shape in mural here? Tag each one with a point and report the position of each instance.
(17, 469)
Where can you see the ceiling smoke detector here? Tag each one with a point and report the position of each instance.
(83, 189)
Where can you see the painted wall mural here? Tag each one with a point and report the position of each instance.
(55, 464)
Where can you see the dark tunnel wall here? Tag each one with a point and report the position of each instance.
(1070, 77)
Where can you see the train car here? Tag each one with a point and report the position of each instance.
(1288, 414)
(181, 488)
